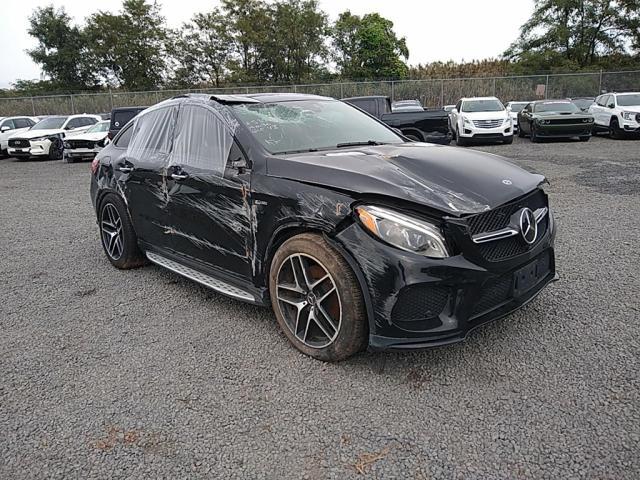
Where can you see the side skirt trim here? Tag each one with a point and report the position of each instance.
(202, 278)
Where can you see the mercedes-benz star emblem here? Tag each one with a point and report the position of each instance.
(528, 226)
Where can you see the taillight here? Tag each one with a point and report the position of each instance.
(95, 165)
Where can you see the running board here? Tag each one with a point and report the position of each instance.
(202, 278)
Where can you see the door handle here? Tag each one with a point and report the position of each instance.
(125, 169)
(179, 176)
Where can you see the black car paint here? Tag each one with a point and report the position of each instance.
(560, 127)
(428, 125)
(230, 227)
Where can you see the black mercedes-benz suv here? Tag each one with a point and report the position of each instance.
(354, 235)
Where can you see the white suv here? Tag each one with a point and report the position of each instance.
(480, 118)
(617, 113)
(9, 126)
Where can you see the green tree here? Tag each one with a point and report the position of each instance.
(60, 51)
(202, 49)
(367, 47)
(129, 49)
(575, 33)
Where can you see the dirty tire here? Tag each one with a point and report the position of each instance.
(129, 255)
(352, 332)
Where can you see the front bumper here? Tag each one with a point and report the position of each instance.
(36, 149)
(417, 302)
(564, 131)
(471, 132)
(81, 153)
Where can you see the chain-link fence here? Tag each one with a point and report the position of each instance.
(431, 93)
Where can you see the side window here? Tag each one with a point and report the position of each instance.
(152, 134)
(124, 138)
(8, 123)
(459, 106)
(604, 100)
(88, 121)
(202, 139)
(611, 102)
(22, 123)
(73, 123)
(235, 155)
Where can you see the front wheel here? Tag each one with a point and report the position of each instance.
(460, 141)
(534, 134)
(56, 149)
(614, 129)
(317, 299)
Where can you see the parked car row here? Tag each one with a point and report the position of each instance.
(72, 137)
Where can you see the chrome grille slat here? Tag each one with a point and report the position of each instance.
(488, 123)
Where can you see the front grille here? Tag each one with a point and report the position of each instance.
(488, 123)
(499, 218)
(419, 303)
(493, 295)
(565, 121)
(19, 143)
(80, 144)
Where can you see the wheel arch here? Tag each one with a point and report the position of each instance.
(283, 233)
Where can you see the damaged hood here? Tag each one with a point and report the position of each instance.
(453, 180)
(39, 133)
(93, 136)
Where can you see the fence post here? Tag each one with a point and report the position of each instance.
(341, 91)
(600, 85)
(393, 91)
(295, 89)
(442, 92)
(494, 87)
(546, 88)
(72, 105)
(111, 98)
(247, 88)
(33, 106)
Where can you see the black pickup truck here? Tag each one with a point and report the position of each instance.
(421, 125)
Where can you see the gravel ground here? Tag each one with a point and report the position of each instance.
(142, 374)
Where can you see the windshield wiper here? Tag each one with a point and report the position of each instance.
(358, 144)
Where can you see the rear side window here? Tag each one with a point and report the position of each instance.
(152, 133)
(202, 139)
(120, 119)
(74, 123)
(125, 137)
(85, 121)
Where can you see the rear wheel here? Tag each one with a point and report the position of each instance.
(317, 299)
(119, 240)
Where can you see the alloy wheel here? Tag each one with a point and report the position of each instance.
(309, 300)
(111, 229)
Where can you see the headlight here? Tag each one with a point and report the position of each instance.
(628, 115)
(587, 120)
(466, 120)
(403, 232)
(66, 145)
(46, 137)
(507, 120)
(543, 122)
